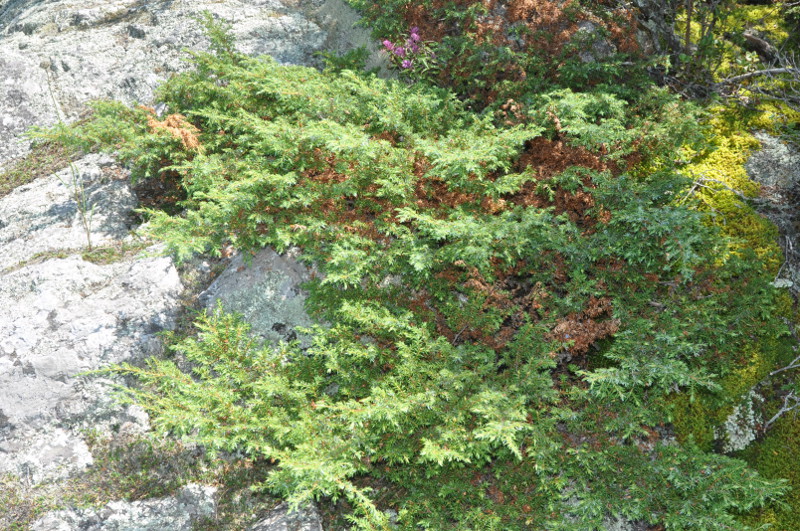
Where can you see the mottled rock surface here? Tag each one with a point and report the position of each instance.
(656, 33)
(281, 519)
(776, 166)
(62, 316)
(265, 289)
(44, 216)
(175, 513)
(741, 426)
(56, 55)
(594, 47)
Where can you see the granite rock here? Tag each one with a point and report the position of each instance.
(776, 167)
(282, 519)
(62, 316)
(56, 55)
(45, 216)
(266, 289)
(174, 513)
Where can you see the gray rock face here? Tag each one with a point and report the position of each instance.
(44, 216)
(167, 514)
(266, 292)
(67, 317)
(776, 166)
(339, 21)
(280, 519)
(595, 48)
(657, 26)
(61, 317)
(56, 55)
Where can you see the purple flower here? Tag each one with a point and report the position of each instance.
(399, 51)
(388, 45)
(415, 37)
(415, 48)
(413, 30)
(406, 64)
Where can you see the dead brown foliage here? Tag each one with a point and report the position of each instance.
(579, 331)
(177, 126)
(547, 158)
(324, 172)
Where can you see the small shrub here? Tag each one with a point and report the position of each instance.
(512, 308)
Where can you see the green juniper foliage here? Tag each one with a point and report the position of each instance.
(514, 309)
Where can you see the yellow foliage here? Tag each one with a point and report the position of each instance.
(765, 19)
(722, 178)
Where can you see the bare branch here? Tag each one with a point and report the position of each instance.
(701, 181)
(790, 403)
(758, 73)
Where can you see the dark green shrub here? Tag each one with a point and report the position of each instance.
(512, 314)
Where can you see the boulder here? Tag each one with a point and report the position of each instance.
(594, 47)
(656, 27)
(61, 316)
(56, 55)
(48, 214)
(265, 289)
(282, 519)
(174, 513)
(60, 319)
(776, 167)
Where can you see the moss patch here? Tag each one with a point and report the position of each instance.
(44, 159)
(777, 456)
(134, 468)
(721, 188)
(721, 183)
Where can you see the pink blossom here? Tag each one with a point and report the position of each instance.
(406, 64)
(415, 37)
(399, 51)
(388, 45)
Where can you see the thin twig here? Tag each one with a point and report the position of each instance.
(758, 73)
(785, 408)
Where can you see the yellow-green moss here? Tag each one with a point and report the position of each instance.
(696, 419)
(730, 144)
(766, 19)
(785, 307)
(729, 57)
(778, 456)
(770, 116)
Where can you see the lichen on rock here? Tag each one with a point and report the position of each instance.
(741, 426)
